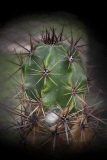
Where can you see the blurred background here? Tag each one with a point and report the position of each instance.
(18, 19)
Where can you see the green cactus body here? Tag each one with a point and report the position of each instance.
(56, 73)
(54, 93)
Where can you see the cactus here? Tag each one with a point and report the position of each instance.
(54, 92)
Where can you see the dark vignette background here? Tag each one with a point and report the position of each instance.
(94, 17)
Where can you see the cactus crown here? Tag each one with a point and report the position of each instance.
(50, 36)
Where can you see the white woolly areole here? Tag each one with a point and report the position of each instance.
(51, 118)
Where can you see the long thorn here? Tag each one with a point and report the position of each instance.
(22, 47)
(37, 65)
(39, 80)
(66, 132)
(53, 81)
